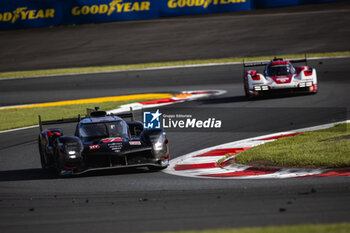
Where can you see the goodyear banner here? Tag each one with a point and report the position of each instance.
(30, 13)
(37, 13)
(190, 7)
(16, 14)
(89, 11)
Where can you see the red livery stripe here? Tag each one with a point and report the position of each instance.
(279, 62)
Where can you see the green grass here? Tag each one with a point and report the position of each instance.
(315, 228)
(35, 73)
(22, 117)
(328, 148)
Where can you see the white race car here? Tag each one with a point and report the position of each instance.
(279, 76)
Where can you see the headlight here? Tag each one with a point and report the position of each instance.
(158, 146)
(72, 154)
(158, 141)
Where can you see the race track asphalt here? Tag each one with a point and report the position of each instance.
(136, 200)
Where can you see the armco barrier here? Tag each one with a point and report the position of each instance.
(39, 13)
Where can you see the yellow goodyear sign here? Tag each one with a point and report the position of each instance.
(38, 13)
(200, 3)
(24, 13)
(188, 7)
(115, 6)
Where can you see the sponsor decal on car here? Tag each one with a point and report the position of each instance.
(108, 140)
(282, 80)
(135, 143)
(116, 147)
(94, 147)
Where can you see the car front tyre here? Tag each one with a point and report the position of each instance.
(43, 159)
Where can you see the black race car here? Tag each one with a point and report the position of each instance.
(102, 141)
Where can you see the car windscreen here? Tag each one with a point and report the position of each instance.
(279, 70)
(117, 129)
(103, 129)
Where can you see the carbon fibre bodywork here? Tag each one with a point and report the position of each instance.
(98, 144)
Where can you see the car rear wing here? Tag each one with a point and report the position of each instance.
(129, 115)
(60, 121)
(264, 63)
(96, 113)
(255, 64)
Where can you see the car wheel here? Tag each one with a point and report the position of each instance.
(42, 157)
(247, 94)
(61, 172)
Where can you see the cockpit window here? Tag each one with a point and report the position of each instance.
(104, 129)
(117, 129)
(279, 70)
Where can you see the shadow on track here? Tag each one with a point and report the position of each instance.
(26, 174)
(117, 171)
(230, 99)
(40, 174)
(242, 98)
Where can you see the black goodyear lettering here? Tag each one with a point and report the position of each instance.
(118, 6)
(23, 13)
(200, 3)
